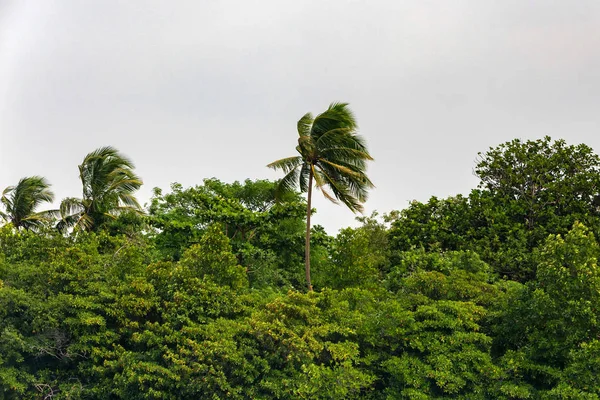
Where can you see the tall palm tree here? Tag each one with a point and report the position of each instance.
(108, 184)
(334, 156)
(21, 201)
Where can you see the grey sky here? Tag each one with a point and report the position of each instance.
(196, 89)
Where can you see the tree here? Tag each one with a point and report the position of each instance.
(266, 237)
(528, 190)
(543, 179)
(213, 258)
(356, 257)
(334, 156)
(549, 326)
(108, 184)
(21, 201)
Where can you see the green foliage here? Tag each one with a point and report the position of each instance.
(213, 258)
(308, 356)
(331, 153)
(108, 183)
(546, 326)
(493, 295)
(358, 257)
(266, 237)
(539, 173)
(528, 191)
(444, 354)
(94, 316)
(22, 200)
(335, 156)
(581, 377)
(437, 224)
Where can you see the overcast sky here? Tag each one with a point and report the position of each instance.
(209, 88)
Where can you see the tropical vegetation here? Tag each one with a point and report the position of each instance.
(492, 294)
(108, 183)
(22, 200)
(334, 155)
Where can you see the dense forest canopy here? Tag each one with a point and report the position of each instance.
(493, 294)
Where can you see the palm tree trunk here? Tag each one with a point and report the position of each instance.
(307, 246)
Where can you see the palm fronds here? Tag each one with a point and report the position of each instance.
(108, 183)
(22, 200)
(334, 156)
(333, 153)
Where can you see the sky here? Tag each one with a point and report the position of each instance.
(214, 88)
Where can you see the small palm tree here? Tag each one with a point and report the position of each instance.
(108, 184)
(334, 156)
(22, 200)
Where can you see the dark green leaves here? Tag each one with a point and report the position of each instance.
(108, 183)
(22, 200)
(335, 155)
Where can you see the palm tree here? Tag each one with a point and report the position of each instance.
(21, 201)
(334, 156)
(108, 184)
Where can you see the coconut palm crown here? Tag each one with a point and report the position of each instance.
(22, 200)
(108, 184)
(333, 155)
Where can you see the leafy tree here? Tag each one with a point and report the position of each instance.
(528, 190)
(418, 347)
(108, 185)
(266, 237)
(256, 196)
(548, 326)
(543, 178)
(452, 275)
(334, 156)
(426, 309)
(243, 209)
(438, 224)
(22, 200)
(537, 188)
(213, 258)
(581, 377)
(309, 351)
(438, 352)
(358, 257)
(56, 296)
